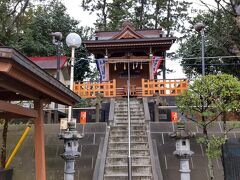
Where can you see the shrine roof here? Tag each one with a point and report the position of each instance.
(146, 33)
(130, 42)
(48, 62)
(128, 36)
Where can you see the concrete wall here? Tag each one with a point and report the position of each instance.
(198, 162)
(23, 163)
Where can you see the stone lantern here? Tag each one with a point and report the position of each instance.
(70, 137)
(183, 151)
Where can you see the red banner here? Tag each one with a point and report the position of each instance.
(83, 117)
(174, 117)
(156, 62)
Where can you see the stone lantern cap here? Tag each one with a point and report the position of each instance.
(181, 132)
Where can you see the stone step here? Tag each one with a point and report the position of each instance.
(126, 102)
(124, 146)
(133, 113)
(134, 139)
(125, 106)
(134, 152)
(131, 117)
(132, 123)
(125, 177)
(125, 127)
(125, 132)
(140, 169)
(118, 122)
(144, 160)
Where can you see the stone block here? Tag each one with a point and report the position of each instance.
(87, 139)
(98, 138)
(89, 150)
(51, 151)
(54, 163)
(85, 174)
(161, 127)
(84, 163)
(199, 162)
(52, 140)
(92, 127)
(23, 175)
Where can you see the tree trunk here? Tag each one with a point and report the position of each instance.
(97, 112)
(4, 144)
(225, 126)
(210, 168)
(141, 15)
(156, 15)
(168, 17)
(104, 15)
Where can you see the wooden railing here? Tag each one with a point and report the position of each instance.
(91, 89)
(170, 87)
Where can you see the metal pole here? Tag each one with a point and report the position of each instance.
(203, 59)
(58, 78)
(129, 128)
(71, 81)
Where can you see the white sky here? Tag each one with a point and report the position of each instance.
(86, 19)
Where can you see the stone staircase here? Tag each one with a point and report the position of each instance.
(116, 165)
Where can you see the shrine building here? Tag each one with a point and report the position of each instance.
(142, 52)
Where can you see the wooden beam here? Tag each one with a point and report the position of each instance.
(18, 110)
(18, 88)
(40, 164)
(5, 67)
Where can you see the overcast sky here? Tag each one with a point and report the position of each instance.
(86, 19)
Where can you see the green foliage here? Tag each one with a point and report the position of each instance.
(83, 103)
(211, 94)
(169, 14)
(221, 39)
(213, 146)
(208, 97)
(30, 32)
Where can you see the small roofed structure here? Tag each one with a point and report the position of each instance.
(21, 79)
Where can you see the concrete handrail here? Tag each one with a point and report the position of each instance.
(101, 158)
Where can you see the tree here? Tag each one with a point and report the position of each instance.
(118, 12)
(221, 39)
(4, 143)
(11, 18)
(172, 15)
(101, 7)
(204, 101)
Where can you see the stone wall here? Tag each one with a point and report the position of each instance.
(198, 162)
(23, 163)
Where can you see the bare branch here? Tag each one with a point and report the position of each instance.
(214, 119)
(207, 6)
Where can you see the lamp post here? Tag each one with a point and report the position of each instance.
(199, 27)
(70, 134)
(57, 37)
(73, 41)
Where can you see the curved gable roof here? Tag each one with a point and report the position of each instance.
(128, 33)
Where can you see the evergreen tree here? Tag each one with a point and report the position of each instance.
(101, 7)
(221, 39)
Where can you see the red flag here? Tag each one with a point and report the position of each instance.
(156, 62)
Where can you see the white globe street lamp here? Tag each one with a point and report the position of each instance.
(73, 41)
